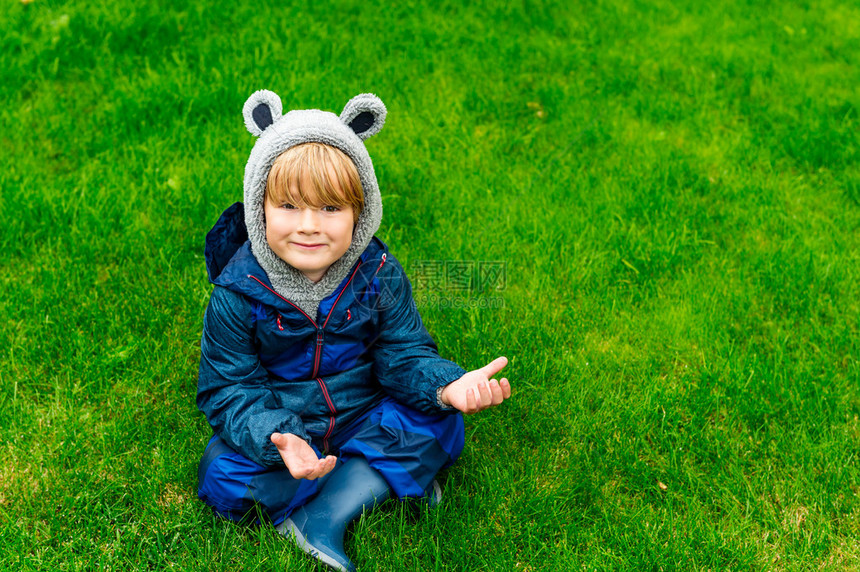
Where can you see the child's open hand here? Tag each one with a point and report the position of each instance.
(300, 458)
(476, 391)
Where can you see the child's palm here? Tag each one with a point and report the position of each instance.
(300, 458)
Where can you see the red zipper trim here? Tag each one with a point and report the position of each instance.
(328, 400)
(319, 342)
(378, 268)
(282, 298)
(336, 300)
(328, 433)
(331, 408)
(320, 330)
(317, 352)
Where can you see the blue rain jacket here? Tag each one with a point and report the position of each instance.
(268, 367)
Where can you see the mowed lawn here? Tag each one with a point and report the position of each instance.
(652, 208)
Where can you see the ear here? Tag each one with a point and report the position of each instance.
(261, 110)
(365, 114)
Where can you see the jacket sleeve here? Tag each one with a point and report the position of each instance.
(233, 388)
(405, 358)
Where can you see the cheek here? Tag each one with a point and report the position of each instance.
(271, 228)
(348, 230)
(276, 225)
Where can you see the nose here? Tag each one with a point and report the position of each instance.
(308, 222)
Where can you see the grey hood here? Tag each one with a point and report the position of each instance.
(362, 117)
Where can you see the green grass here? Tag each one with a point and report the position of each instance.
(674, 188)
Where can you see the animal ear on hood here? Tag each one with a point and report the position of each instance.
(262, 109)
(364, 114)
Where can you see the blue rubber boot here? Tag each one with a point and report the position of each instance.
(319, 526)
(431, 499)
(434, 494)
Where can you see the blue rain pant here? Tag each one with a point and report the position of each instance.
(407, 447)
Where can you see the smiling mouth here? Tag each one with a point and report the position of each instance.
(307, 246)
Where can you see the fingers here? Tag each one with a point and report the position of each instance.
(324, 467)
(506, 388)
(471, 402)
(496, 393)
(315, 470)
(494, 367)
(486, 397)
(486, 394)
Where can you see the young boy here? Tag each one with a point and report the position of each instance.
(325, 393)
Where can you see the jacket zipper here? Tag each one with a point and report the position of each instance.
(260, 282)
(378, 268)
(331, 419)
(320, 338)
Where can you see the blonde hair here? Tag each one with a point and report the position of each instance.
(331, 176)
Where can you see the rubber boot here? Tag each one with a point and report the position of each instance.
(434, 494)
(319, 526)
(431, 499)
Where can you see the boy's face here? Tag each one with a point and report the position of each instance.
(309, 239)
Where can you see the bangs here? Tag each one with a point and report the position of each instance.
(314, 175)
